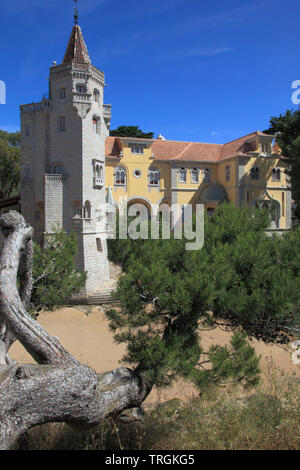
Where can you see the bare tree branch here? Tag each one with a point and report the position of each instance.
(59, 388)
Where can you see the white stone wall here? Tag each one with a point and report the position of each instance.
(53, 202)
(73, 150)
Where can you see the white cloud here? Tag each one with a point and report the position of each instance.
(208, 51)
(189, 53)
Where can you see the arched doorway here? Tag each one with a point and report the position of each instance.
(273, 207)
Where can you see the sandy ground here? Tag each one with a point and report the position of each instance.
(89, 339)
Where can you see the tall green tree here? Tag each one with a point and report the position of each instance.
(54, 273)
(241, 279)
(287, 128)
(9, 164)
(131, 131)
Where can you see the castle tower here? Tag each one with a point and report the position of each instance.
(63, 159)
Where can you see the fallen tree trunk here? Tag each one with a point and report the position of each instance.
(59, 388)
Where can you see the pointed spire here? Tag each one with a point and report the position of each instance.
(76, 13)
(77, 50)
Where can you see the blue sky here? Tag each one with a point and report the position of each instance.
(189, 69)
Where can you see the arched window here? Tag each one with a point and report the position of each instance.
(99, 171)
(273, 208)
(194, 175)
(87, 212)
(81, 88)
(77, 210)
(254, 173)
(206, 173)
(182, 175)
(276, 174)
(96, 96)
(153, 177)
(120, 176)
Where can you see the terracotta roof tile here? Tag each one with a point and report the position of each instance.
(188, 151)
(241, 145)
(191, 151)
(112, 147)
(77, 50)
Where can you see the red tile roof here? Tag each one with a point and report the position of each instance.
(77, 50)
(188, 151)
(112, 147)
(191, 151)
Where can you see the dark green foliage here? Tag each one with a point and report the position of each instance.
(54, 272)
(9, 164)
(14, 138)
(242, 279)
(131, 131)
(287, 128)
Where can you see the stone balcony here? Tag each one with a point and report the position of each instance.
(107, 111)
(85, 98)
(98, 182)
(33, 107)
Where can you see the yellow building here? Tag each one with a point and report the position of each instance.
(248, 172)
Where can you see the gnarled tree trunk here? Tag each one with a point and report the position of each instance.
(59, 388)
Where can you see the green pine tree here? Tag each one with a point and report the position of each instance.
(241, 279)
(9, 164)
(287, 130)
(55, 275)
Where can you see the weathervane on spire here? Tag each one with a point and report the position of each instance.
(76, 13)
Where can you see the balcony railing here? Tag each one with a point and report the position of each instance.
(54, 178)
(98, 182)
(107, 110)
(82, 97)
(32, 107)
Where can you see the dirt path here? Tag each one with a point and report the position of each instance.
(89, 339)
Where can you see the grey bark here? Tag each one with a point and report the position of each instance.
(59, 388)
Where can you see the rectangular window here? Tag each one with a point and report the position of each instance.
(62, 93)
(137, 148)
(27, 130)
(283, 202)
(62, 123)
(95, 125)
(99, 244)
(265, 148)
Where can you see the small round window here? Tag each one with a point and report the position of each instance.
(137, 173)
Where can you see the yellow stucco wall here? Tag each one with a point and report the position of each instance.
(189, 192)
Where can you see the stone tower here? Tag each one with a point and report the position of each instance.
(63, 159)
